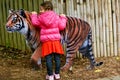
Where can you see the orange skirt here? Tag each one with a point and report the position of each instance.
(50, 47)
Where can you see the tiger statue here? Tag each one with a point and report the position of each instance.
(77, 36)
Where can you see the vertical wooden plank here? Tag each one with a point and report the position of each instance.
(104, 31)
(92, 20)
(117, 25)
(100, 27)
(118, 32)
(114, 27)
(67, 7)
(36, 7)
(81, 9)
(56, 6)
(97, 27)
(84, 10)
(64, 6)
(3, 22)
(39, 2)
(20, 5)
(88, 11)
(107, 28)
(75, 8)
(25, 5)
(71, 8)
(30, 5)
(61, 5)
(110, 27)
(78, 8)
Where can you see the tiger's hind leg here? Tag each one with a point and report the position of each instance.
(84, 50)
(69, 61)
(87, 51)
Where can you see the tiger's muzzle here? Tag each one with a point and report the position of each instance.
(10, 29)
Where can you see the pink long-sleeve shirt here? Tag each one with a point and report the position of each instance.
(50, 24)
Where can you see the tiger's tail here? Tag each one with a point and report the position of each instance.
(98, 63)
(90, 54)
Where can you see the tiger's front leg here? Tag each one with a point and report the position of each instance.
(36, 59)
(69, 61)
(36, 65)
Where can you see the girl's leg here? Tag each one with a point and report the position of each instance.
(49, 64)
(57, 63)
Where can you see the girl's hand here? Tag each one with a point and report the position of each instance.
(62, 15)
(34, 12)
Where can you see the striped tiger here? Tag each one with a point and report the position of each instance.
(77, 36)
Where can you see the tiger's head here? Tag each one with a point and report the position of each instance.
(16, 21)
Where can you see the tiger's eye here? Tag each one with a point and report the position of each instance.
(14, 20)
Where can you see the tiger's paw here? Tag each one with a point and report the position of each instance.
(35, 66)
(66, 67)
(90, 67)
(99, 64)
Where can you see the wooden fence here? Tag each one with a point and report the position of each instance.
(102, 15)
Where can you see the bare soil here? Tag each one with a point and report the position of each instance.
(15, 65)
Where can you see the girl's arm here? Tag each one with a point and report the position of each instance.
(34, 19)
(62, 22)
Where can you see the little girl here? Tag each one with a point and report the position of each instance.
(50, 24)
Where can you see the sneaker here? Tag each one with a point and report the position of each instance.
(49, 77)
(57, 76)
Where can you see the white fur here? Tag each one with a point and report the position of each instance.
(25, 29)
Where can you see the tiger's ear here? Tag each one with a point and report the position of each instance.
(10, 11)
(22, 13)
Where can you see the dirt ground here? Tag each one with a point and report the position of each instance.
(15, 65)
